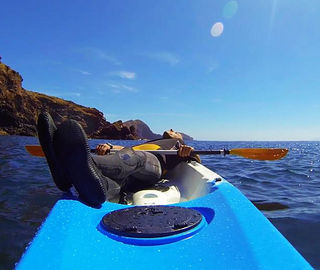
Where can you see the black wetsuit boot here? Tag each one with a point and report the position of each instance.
(71, 147)
(46, 129)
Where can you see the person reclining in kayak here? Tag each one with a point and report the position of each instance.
(99, 177)
(171, 140)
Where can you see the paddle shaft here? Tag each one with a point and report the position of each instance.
(251, 153)
(175, 152)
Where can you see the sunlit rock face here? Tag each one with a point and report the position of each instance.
(142, 129)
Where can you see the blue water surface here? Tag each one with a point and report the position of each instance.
(288, 190)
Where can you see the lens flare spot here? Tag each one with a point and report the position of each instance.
(217, 29)
(230, 9)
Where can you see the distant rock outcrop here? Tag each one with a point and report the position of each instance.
(144, 132)
(115, 131)
(142, 129)
(186, 137)
(19, 109)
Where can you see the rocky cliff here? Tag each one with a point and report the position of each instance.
(144, 132)
(19, 109)
(142, 129)
(186, 137)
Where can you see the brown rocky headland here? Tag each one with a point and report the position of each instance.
(19, 109)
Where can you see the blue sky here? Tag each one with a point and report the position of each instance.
(163, 62)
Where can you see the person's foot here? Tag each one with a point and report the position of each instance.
(46, 129)
(71, 146)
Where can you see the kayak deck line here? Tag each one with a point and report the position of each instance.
(232, 234)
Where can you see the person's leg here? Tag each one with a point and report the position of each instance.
(71, 147)
(46, 129)
(133, 170)
(143, 166)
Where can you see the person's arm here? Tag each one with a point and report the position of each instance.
(104, 148)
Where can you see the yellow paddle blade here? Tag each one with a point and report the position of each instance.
(260, 153)
(146, 146)
(35, 150)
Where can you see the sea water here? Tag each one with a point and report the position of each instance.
(287, 191)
